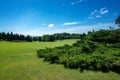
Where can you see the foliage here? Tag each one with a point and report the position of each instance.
(118, 21)
(28, 38)
(61, 36)
(105, 36)
(45, 38)
(14, 37)
(100, 50)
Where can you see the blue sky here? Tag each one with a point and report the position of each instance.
(38, 17)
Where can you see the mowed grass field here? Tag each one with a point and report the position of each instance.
(18, 61)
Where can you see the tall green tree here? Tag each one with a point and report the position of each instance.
(118, 21)
(29, 38)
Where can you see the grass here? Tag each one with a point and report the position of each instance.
(18, 61)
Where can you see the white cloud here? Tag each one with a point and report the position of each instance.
(70, 23)
(76, 2)
(85, 29)
(103, 11)
(98, 13)
(50, 25)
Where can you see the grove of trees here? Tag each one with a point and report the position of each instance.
(45, 38)
(61, 36)
(14, 37)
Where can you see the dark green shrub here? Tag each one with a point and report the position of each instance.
(52, 57)
(86, 54)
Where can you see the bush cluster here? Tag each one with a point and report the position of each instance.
(84, 54)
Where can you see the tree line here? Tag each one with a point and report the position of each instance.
(10, 36)
(61, 36)
(99, 36)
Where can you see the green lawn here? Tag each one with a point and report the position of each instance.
(18, 61)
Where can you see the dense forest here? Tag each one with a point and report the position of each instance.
(58, 36)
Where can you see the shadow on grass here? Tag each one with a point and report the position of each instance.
(115, 69)
(104, 70)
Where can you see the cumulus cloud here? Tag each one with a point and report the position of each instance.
(50, 25)
(70, 23)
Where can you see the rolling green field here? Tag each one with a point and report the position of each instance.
(18, 61)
